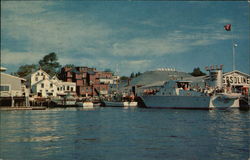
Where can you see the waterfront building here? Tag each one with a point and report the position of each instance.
(42, 85)
(12, 90)
(239, 81)
(89, 81)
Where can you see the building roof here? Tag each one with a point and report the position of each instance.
(155, 76)
(13, 76)
(236, 71)
(2, 69)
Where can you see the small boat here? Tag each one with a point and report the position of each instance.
(120, 104)
(113, 104)
(130, 104)
(85, 105)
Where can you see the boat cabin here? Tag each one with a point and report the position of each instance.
(177, 88)
(185, 85)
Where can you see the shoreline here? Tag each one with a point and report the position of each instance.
(7, 108)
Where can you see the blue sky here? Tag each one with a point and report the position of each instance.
(133, 36)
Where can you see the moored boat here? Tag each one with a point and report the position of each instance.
(85, 105)
(120, 104)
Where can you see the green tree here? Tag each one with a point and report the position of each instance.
(137, 74)
(70, 65)
(26, 69)
(49, 63)
(124, 78)
(132, 75)
(197, 72)
(107, 70)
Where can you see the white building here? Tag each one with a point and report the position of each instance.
(236, 78)
(13, 91)
(42, 85)
(11, 85)
(239, 81)
(112, 80)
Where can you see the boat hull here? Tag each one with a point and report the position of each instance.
(189, 102)
(120, 104)
(85, 104)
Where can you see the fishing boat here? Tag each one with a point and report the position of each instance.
(177, 94)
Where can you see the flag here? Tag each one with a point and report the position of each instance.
(227, 27)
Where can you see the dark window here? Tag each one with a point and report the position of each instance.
(4, 88)
(67, 88)
(36, 78)
(42, 85)
(51, 85)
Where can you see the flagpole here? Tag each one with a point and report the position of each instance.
(233, 45)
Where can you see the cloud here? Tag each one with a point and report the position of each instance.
(47, 31)
(224, 21)
(8, 57)
(135, 65)
(25, 7)
(147, 46)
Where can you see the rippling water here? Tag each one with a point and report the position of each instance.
(118, 133)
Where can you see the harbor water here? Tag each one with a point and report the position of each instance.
(124, 134)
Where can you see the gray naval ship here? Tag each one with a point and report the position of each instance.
(177, 94)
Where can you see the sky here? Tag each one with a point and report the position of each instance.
(126, 36)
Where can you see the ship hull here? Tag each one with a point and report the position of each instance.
(189, 102)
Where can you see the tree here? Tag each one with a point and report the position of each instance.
(25, 70)
(132, 75)
(107, 70)
(49, 63)
(124, 78)
(69, 65)
(137, 74)
(197, 72)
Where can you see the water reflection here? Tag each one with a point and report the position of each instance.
(34, 139)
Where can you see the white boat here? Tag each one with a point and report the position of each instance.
(85, 105)
(179, 95)
(120, 104)
(130, 104)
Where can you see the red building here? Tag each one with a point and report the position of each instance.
(89, 81)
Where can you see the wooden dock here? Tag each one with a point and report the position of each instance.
(21, 108)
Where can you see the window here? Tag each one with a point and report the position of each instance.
(41, 74)
(47, 91)
(67, 88)
(4, 88)
(36, 78)
(72, 89)
(58, 88)
(51, 85)
(42, 85)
